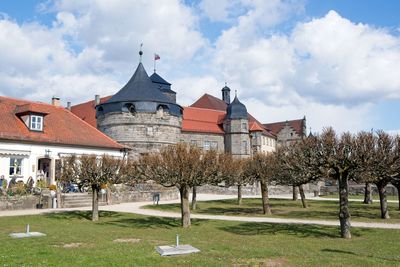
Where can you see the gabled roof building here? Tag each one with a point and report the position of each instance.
(144, 116)
(34, 136)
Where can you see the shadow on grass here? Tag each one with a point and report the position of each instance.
(65, 215)
(339, 251)
(301, 230)
(230, 210)
(149, 222)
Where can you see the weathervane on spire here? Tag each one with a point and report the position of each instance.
(140, 52)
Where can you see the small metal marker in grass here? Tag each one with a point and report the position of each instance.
(176, 250)
(27, 233)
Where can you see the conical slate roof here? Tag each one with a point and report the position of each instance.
(139, 88)
(161, 84)
(236, 110)
(155, 78)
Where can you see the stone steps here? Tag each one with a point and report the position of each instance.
(75, 200)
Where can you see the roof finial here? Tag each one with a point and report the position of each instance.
(235, 93)
(225, 83)
(140, 52)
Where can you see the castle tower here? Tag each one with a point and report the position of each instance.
(236, 126)
(226, 94)
(140, 116)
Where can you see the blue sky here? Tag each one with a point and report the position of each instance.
(335, 61)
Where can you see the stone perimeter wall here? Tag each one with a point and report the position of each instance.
(118, 196)
(22, 202)
(252, 189)
(357, 189)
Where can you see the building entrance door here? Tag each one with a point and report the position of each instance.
(44, 170)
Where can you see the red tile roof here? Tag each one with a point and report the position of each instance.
(276, 127)
(61, 127)
(202, 120)
(211, 102)
(86, 110)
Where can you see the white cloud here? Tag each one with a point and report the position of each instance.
(191, 88)
(318, 115)
(216, 10)
(91, 46)
(346, 62)
(328, 68)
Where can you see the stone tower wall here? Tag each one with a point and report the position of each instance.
(236, 132)
(143, 132)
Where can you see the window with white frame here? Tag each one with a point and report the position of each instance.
(214, 145)
(150, 131)
(15, 166)
(36, 123)
(207, 145)
(244, 144)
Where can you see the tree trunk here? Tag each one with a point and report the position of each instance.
(295, 195)
(383, 201)
(265, 199)
(194, 198)
(344, 214)
(398, 193)
(185, 210)
(396, 183)
(95, 203)
(303, 196)
(368, 194)
(239, 194)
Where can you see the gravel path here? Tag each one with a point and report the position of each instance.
(137, 208)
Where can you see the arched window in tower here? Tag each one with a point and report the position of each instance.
(129, 107)
(162, 110)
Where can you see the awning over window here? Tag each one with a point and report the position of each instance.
(6, 152)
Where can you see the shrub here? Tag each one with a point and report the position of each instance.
(53, 187)
(103, 186)
(41, 184)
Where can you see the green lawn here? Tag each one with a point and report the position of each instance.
(285, 208)
(73, 240)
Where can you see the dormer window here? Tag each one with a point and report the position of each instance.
(36, 123)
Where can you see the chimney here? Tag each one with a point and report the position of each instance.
(55, 101)
(69, 105)
(96, 100)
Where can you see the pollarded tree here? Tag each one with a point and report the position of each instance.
(92, 171)
(382, 169)
(262, 168)
(231, 171)
(180, 166)
(338, 159)
(299, 164)
(364, 145)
